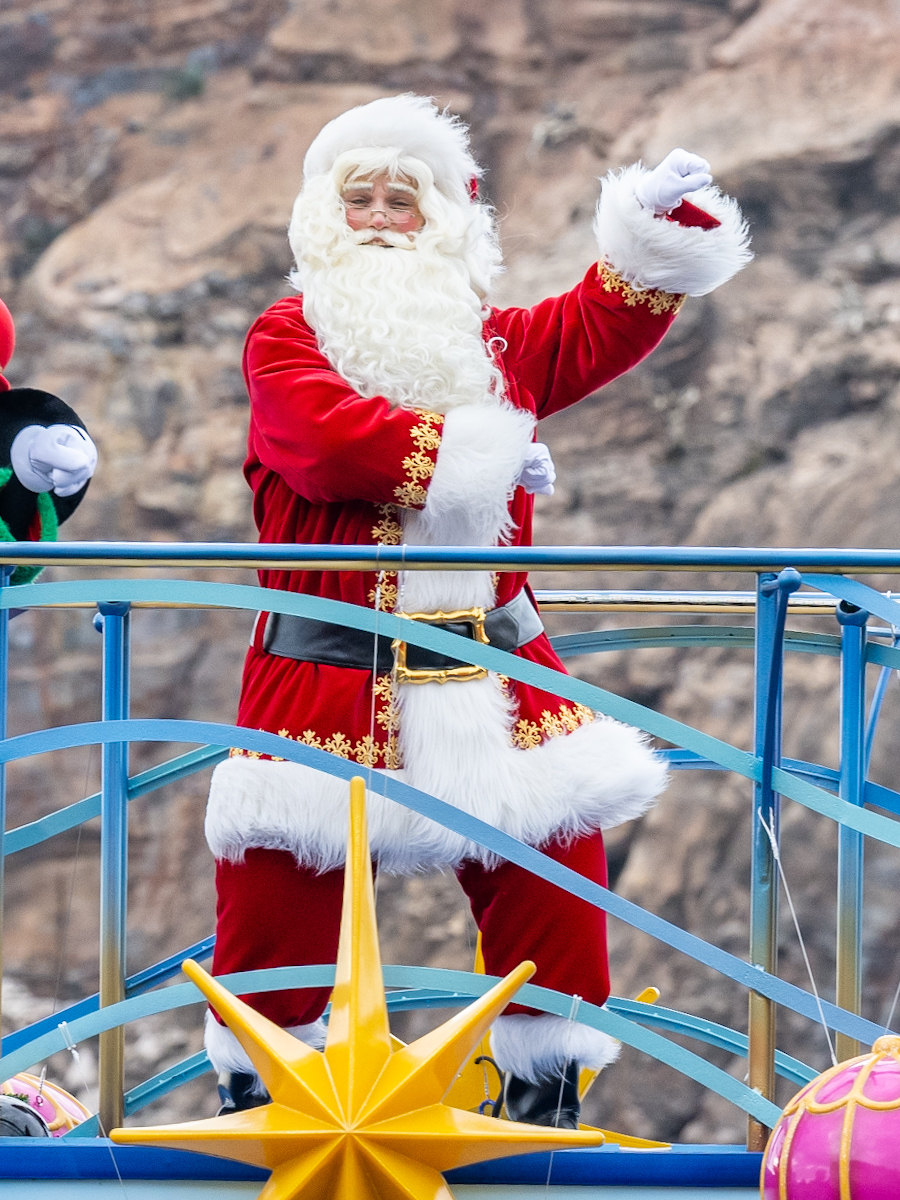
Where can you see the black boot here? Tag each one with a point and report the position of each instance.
(548, 1102)
(236, 1091)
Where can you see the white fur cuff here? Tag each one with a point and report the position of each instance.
(534, 1048)
(649, 252)
(600, 775)
(482, 452)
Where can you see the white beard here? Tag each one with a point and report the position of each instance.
(405, 324)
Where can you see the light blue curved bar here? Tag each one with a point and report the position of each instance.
(882, 797)
(883, 656)
(467, 826)
(742, 762)
(642, 637)
(76, 814)
(856, 593)
(731, 759)
(710, 1032)
(473, 986)
(651, 1015)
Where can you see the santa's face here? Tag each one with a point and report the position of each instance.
(381, 206)
(408, 327)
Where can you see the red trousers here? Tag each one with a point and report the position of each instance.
(273, 913)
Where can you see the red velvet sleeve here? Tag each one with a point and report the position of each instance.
(565, 348)
(326, 441)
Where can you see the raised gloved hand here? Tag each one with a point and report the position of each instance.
(538, 472)
(679, 173)
(57, 458)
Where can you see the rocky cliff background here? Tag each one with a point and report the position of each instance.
(149, 155)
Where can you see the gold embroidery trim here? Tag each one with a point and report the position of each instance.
(365, 750)
(427, 434)
(419, 465)
(658, 302)
(384, 595)
(388, 532)
(528, 734)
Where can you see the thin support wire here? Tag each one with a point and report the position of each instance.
(573, 1010)
(68, 919)
(72, 1047)
(371, 756)
(890, 1016)
(776, 854)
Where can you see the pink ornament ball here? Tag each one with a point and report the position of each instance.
(839, 1138)
(61, 1111)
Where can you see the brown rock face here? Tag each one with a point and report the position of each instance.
(149, 156)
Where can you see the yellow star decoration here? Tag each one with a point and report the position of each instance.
(360, 1120)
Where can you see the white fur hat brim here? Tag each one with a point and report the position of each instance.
(411, 124)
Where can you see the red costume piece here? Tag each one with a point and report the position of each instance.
(328, 466)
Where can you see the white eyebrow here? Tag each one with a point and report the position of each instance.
(367, 184)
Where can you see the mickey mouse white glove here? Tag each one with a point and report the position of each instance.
(679, 173)
(57, 458)
(538, 472)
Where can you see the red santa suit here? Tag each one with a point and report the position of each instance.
(328, 465)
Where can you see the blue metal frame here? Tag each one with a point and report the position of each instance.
(6, 574)
(693, 749)
(850, 843)
(115, 622)
(278, 555)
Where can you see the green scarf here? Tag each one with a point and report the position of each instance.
(49, 527)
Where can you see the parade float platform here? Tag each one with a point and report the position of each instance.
(63, 1168)
(857, 625)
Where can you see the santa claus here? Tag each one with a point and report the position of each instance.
(390, 403)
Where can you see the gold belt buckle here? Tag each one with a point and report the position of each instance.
(404, 674)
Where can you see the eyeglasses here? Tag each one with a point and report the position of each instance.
(400, 211)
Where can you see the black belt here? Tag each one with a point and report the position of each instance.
(309, 640)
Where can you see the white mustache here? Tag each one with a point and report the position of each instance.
(385, 237)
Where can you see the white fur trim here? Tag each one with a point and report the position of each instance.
(651, 252)
(412, 124)
(483, 448)
(535, 1048)
(455, 744)
(226, 1053)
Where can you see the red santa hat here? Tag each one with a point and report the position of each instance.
(415, 126)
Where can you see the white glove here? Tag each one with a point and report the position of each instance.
(663, 188)
(58, 458)
(538, 472)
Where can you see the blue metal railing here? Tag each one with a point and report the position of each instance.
(814, 786)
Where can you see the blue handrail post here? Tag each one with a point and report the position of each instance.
(771, 611)
(6, 574)
(850, 842)
(113, 859)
